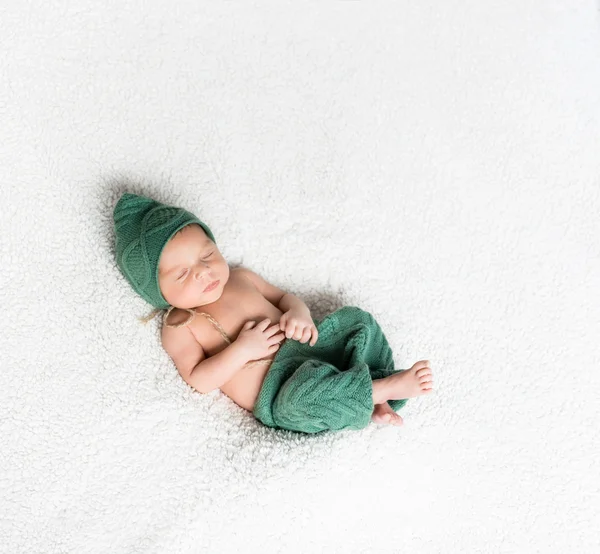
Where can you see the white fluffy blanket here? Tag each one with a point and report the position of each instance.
(436, 167)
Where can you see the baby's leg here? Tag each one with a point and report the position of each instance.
(415, 381)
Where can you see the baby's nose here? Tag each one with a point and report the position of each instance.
(199, 273)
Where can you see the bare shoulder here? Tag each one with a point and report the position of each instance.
(244, 275)
(241, 276)
(269, 291)
(181, 344)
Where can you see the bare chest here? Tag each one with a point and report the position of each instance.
(240, 302)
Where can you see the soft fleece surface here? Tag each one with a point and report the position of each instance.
(436, 164)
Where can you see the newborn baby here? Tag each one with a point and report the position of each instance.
(224, 329)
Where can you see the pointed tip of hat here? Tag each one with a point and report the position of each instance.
(128, 200)
(128, 197)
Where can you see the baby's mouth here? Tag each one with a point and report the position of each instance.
(211, 286)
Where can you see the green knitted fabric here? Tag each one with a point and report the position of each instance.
(328, 386)
(142, 229)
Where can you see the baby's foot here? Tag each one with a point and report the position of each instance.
(384, 415)
(412, 382)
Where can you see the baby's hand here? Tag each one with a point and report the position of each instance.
(298, 325)
(258, 341)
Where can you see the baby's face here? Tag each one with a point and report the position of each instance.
(190, 262)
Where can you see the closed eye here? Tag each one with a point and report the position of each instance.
(180, 278)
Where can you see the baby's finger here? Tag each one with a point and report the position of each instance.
(290, 330)
(315, 336)
(283, 321)
(305, 335)
(264, 323)
(273, 329)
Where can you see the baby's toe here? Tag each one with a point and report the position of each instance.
(423, 371)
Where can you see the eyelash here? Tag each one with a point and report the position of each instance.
(186, 272)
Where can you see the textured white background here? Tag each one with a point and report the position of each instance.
(435, 163)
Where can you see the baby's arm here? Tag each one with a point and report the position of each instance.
(201, 373)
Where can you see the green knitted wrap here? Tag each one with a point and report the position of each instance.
(328, 386)
(142, 229)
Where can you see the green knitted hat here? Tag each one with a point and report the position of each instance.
(142, 229)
